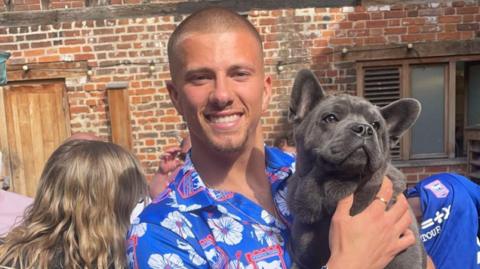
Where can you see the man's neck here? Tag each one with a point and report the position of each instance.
(242, 172)
(230, 170)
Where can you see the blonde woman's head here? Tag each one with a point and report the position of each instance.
(81, 210)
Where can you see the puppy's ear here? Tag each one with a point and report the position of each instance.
(306, 93)
(399, 116)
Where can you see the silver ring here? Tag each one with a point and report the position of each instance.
(381, 199)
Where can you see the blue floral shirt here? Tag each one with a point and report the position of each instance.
(192, 226)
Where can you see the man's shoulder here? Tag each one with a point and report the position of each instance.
(159, 209)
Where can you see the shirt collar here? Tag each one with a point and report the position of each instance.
(191, 193)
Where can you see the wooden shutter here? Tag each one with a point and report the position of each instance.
(381, 87)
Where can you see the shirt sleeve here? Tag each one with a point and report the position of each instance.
(473, 190)
(153, 246)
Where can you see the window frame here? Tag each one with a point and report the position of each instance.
(404, 66)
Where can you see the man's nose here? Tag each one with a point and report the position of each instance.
(221, 95)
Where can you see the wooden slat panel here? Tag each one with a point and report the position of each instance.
(120, 117)
(36, 124)
(35, 141)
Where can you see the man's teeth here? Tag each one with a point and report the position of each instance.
(224, 119)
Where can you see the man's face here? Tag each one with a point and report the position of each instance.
(220, 88)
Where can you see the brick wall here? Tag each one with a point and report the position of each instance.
(124, 50)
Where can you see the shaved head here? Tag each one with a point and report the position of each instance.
(208, 20)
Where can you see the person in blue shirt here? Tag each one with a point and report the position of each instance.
(226, 207)
(447, 207)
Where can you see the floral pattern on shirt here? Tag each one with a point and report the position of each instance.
(191, 226)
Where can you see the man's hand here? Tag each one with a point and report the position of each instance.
(168, 164)
(169, 161)
(372, 238)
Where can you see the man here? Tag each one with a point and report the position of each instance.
(226, 207)
(447, 207)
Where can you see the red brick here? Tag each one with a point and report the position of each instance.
(376, 24)
(468, 35)
(395, 31)
(91, 102)
(449, 36)
(341, 41)
(37, 52)
(413, 21)
(48, 59)
(467, 27)
(418, 37)
(412, 170)
(129, 37)
(394, 14)
(458, 3)
(436, 169)
(68, 50)
(468, 18)
(135, 29)
(374, 40)
(430, 12)
(78, 110)
(345, 25)
(449, 19)
(77, 41)
(467, 10)
(267, 21)
(42, 44)
(376, 15)
(358, 16)
(450, 28)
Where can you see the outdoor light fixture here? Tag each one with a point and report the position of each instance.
(89, 72)
(409, 46)
(152, 66)
(280, 67)
(344, 51)
(25, 68)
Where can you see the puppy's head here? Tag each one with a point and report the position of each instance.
(346, 136)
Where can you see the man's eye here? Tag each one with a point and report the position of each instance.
(376, 125)
(330, 118)
(198, 79)
(241, 75)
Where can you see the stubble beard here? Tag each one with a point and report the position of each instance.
(228, 146)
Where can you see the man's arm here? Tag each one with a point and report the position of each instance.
(168, 164)
(372, 238)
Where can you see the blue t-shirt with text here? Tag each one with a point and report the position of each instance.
(449, 227)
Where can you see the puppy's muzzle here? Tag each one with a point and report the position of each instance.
(362, 130)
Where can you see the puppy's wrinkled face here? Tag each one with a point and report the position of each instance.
(345, 134)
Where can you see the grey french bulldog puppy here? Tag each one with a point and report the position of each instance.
(343, 144)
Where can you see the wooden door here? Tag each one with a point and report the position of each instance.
(37, 123)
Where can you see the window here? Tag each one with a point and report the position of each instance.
(449, 90)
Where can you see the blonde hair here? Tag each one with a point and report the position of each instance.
(80, 214)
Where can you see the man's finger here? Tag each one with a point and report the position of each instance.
(344, 206)
(399, 209)
(405, 241)
(386, 190)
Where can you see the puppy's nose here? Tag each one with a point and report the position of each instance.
(362, 130)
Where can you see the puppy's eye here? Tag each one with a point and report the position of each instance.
(330, 118)
(376, 125)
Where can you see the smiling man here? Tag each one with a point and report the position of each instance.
(226, 207)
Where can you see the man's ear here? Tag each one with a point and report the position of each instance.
(172, 91)
(399, 116)
(306, 93)
(267, 92)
